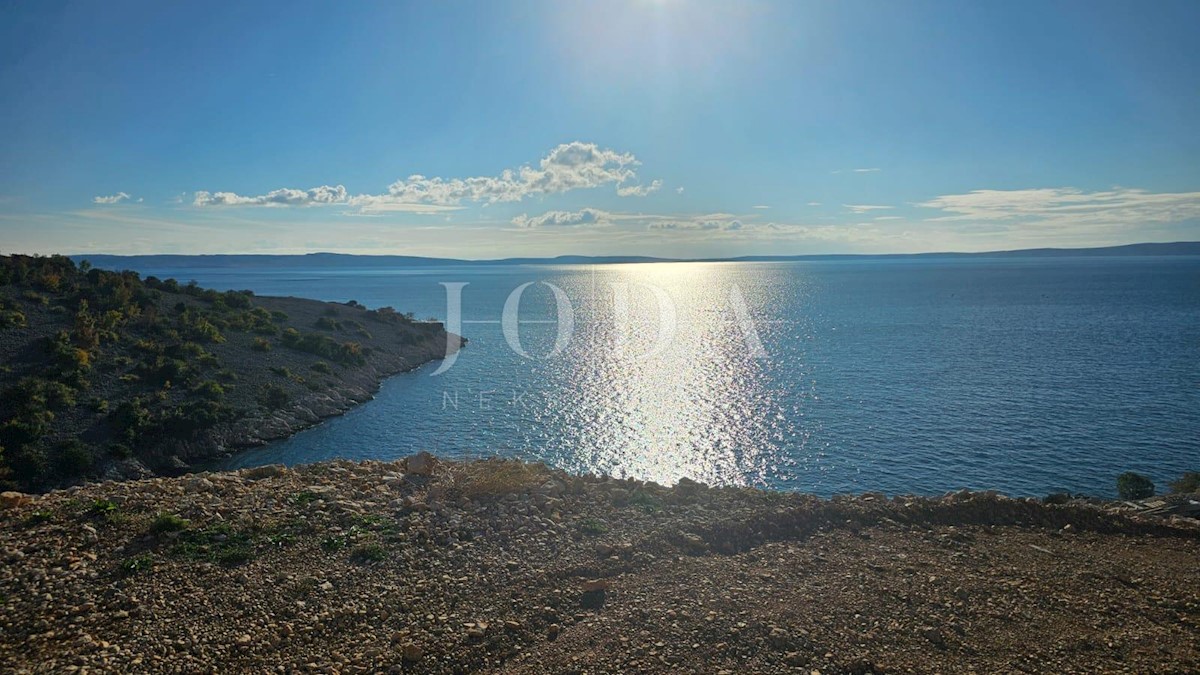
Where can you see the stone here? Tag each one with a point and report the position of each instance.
(593, 585)
(267, 471)
(12, 500)
(412, 652)
(421, 464)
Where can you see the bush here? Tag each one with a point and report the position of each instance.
(74, 459)
(322, 367)
(274, 397)
(368, 553)
(168, 522)
(12, 319)
(326, 323)
(209, 390)
(1187, 484)
(1132, 485)
(261, 345)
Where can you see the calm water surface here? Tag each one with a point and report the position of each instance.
(1023, 375)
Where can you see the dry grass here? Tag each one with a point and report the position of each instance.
(495, 478)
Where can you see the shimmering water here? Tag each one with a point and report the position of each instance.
(1023, 375)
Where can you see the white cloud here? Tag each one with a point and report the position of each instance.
(870, 170)
(570, 166)
(679, 190)
(562, 218)
(715, 221)
(814, 203)
(864, 208)
(760, 206)
(639, 190)
(112, 199)
(1068, 207)
(322, 195)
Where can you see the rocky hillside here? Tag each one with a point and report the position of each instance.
(106, 374)
(493, 566)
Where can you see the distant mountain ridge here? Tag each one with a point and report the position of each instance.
(321, 260)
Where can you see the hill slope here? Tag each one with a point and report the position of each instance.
(496, 566)
(106, 374)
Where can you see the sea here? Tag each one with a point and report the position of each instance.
(895, 375)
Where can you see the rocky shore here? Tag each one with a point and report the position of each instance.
(498, 566)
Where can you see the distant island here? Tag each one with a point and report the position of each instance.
(323, 260)
(109, 375)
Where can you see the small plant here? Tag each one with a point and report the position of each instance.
(305, 498)
(593, 526)
(322, 367)
(141, 563)
(37, 518)
(261, 345)
(646, 502)
(368, 553)
(1132, 485)
(332, 544)
(168, 522)
(1187, 483)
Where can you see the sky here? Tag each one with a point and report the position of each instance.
(677, 128)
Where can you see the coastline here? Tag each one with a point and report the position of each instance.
(500, 566)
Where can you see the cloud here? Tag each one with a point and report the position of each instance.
(679, 190)
(864, 208)
(639, 190)
(724, 222)
(760, 206)
(324, 194)
(1067, 208)
(814, 203)
(569, 166)
(112, 199)
(870, 170)
(562, 218)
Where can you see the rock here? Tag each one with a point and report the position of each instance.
(12, 500)
(267, 471)
(694, 543)
(553, 630)
(420, 464)
(198, 484)
(412, 652)
(593, 585)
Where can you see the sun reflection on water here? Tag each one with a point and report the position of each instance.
(656, 401)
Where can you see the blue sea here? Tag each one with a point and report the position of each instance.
(1025, 375)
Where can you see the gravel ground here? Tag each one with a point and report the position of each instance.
(428, 566)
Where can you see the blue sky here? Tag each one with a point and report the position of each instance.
(662, 127)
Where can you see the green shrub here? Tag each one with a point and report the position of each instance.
(168, 522)
(368, 553)
(1132, 485)
(593, 526)
(209, 390)
(36, 298)
(274, 397)
(139, 563)
(11, 318)
(322, 367)
(261, 345)
(1187, 483)
(74, 458)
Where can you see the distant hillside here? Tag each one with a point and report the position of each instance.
(107, 374)
(342, 260)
